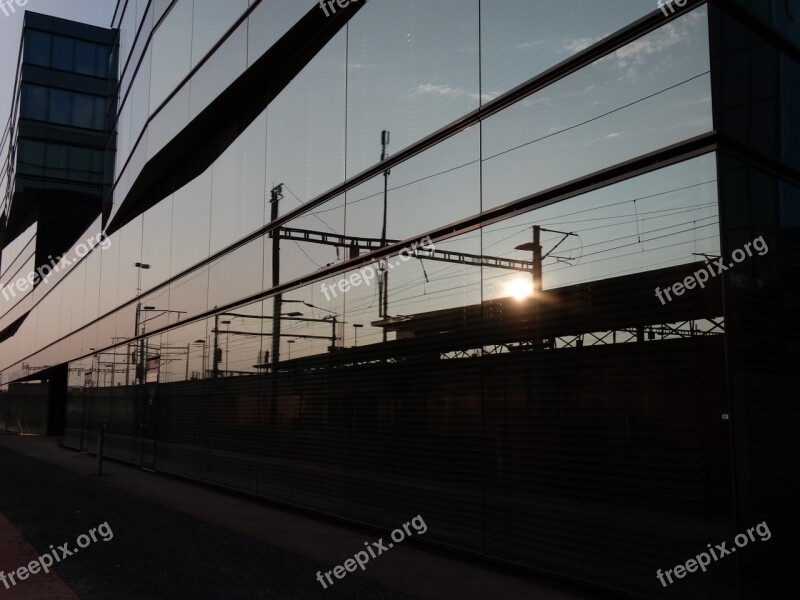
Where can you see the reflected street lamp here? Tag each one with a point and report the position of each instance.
(356, 327)
(140, 365)
(204, 344)
(227, 342)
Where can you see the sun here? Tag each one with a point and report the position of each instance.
(519, 289)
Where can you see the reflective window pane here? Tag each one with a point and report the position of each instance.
(63, 53)
(522, 38)
(37, 48)
(648, 95)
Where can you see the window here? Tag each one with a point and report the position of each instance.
(80, 160)
(99, 113)
(37, 48)
(82, 111)
(56, 158)
(31, 157)
(85, 58)
(63, 53)
(34, 102)
(101, 56)
(60, 102)
(62, 107)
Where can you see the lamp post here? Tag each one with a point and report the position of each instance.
(140, 366)
(95, 372)
(204, 344)
(227, 342)
(333, 320)
(356, 327)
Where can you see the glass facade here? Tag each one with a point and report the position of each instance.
(55, 157)
(475, 331)
(67, 54)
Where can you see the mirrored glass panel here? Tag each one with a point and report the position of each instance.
(412, 67)
(648, 95)
(523, 38)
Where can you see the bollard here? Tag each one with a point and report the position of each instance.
(100, 439)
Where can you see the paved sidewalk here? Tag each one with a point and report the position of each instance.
(16, 552)
(178, 540)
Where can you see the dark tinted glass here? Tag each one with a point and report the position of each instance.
(82, 111)
(85, 58)
(60, 103)
(34, 102)
(37, 48)
(63, 53)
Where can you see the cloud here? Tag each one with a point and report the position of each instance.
(552, 100)
(525, 45)
(441, 90)
(576, 45)
(629, 58)
(433, 89)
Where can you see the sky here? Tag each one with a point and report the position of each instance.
(94, 12)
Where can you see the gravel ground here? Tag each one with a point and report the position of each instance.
(155, 552)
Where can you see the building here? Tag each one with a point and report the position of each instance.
(57, 157)
(579, 354)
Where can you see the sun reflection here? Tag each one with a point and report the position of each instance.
(519, 289)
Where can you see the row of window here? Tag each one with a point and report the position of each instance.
(67, 54)
(60, 161)
(63, 107)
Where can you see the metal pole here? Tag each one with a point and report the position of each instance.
(537, 259)
(277, 195)
(101, 433)
(383, 282)
(188, 348)
(143, 348)
(277, 307)
(227, 345)
(537, 285)
(138, 376)
(215, 368)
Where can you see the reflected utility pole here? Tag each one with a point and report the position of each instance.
(383, 282)
(139, 374)
(277, 196)
(277, 308)
(127, 360)
(538, 259)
